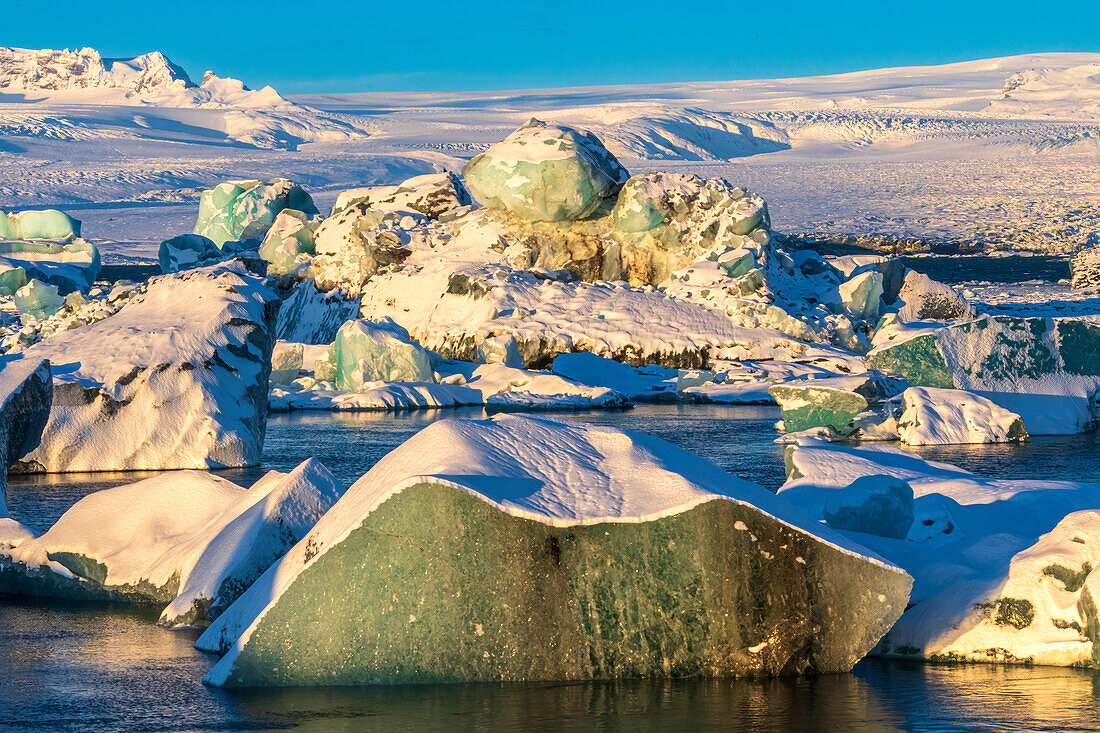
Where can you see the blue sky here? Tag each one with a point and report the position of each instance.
(446, 45)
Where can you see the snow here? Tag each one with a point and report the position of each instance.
(549, 471)
(25, 399)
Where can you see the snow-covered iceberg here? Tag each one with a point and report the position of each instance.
(527, 548)
(176, 379)
(187, 538)
(933, 416)
(69, 266)
(1046, 370)
(435, 195)
(1002, 569)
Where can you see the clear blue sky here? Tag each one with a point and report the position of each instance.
(372, 45)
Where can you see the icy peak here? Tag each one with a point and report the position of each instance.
(59, 70)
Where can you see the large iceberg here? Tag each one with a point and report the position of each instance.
(237, 210)
(527, 548)
(176, 379)
(545, 173)
(1046, 370)
(187, 538)
(948, 416)
(25, 399)
(44, 224)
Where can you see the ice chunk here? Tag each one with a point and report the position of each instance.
(311, 317)
(367, 351)
(1043, 369)
(186, 251)
(878, 505)
(12, 277)
(45, 224)
(237, 210)
(353, 245)
(923, 299)
(286, 362)
(25, 399)
(862, 295)
(288, 243)
(71, 266)
(189, 538)
(652, 384)
(545, 173)
(176, 379)
(38, 301)
(497, 550)
(947, 416)
(808, 406)
(435, 195)
(500, 350)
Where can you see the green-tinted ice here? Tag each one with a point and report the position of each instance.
(367, 352)
(288, 238)
(45, 224)
(545, 173)
(237, 210)
(38, 300)
(806, 406)
(438, 585)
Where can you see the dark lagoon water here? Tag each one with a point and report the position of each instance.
(72, 666)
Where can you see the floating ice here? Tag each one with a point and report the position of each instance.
(288, 243)
(45, 224)
(526, 548)
(237, 210)
(366, 351)
(947, 416)
(70, 266)
(37, 300)
(25, 399)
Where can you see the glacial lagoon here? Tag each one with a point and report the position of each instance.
(71, 665)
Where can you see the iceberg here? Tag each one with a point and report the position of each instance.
(525, 548)
(923, 299)
(25, 399)
(949, 416)
(807, 406)
(1086, 269)
(45, 224)
(286, 362)
(71, 266)
(185, 252)
(310, 316)
(237, 210)
(186, 538)
(1002, 569)
(366, 351)
(12, 277)
(177, 378)
(288, 243)
(354, 244)
(38, 301)
(878, 505)
(545, 173)
(1046, 370)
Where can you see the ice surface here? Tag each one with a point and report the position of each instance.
(545, 173)
(367, 351)
(947, 416)
(1086, 268)
(435, 195)
(237, 210)
(878, 505)
(923, 299)
(159, 386)
(512, 517)
(1044, 369)
(312, 317)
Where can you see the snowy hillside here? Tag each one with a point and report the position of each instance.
(998, 152)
